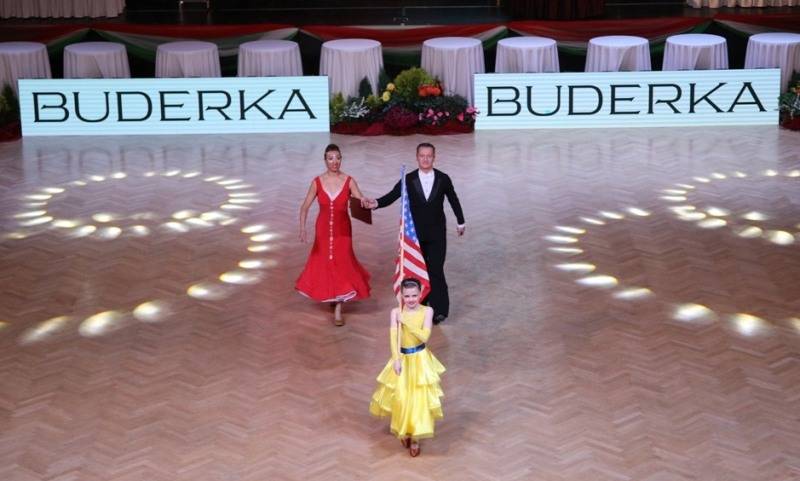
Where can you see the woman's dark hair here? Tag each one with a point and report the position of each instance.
(332, 148)
(410, 282)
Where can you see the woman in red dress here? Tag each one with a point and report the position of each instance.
(332, 273)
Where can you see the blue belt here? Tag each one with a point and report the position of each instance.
(412, 350)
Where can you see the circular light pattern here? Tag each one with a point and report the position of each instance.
(744, 225)
(237, 199)
(109, 226)
(711, 217)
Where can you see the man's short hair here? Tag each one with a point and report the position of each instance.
(428, 145)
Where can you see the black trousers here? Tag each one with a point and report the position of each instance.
(434, 252)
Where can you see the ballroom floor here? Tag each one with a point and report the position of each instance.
(625, 307)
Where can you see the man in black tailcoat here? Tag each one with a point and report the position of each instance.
(427, 189)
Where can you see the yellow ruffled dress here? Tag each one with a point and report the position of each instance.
(413, 398)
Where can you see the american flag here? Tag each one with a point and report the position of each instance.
(410, 262)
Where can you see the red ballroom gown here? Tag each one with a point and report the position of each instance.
(332, 272)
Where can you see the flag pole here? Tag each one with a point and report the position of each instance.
(402, 256)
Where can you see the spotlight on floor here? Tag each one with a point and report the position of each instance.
(638, 212)
(265, 237)
(103, 217)
(718, 212)
(109, 233)
(780, 237)
(28, 215)
(139, 230)
(66, 223)
(207, 291)
(253, 229)
(561, 239)
(750, 232)
(176, 227)
(257, 263)
(44, 330)
(579, 267)
(749, 325)
(633, 293)
(240, 277)
(36, 221)
(184, 214)
(150, 311)
(611, 215)
(601, 281)
(83, 231)
(713, 223)
(101, 323)
(694, 314)
(566, 250)
(755, 216)
(570, 230)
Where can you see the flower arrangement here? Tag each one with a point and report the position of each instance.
(9, 115)
(789, 105)
(414, 102)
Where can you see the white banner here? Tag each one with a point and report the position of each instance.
(174, 106)
(627, 99)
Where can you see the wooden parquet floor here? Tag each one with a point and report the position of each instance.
(625, 307)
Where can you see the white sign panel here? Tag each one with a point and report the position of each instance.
(174, 106)
(627, 99)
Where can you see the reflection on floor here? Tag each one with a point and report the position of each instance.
(625, 306)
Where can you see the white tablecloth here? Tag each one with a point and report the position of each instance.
(618, 53)
(454, 60)
(20, 60)
(695, 51)
(61, 8)
(270, 58)
(526, 55)
(741, 3)
(774, 49)
(187, 59)
(347, 61)
(96, 60)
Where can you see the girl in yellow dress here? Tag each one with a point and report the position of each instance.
(408, 386)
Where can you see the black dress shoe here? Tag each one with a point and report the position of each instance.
(439, 318)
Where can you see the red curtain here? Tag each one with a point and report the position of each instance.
(583, 31)
(391, 37)
(789, 22)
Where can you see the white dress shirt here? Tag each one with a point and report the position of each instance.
(426, 179)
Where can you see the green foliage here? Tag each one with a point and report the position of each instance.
(374, 102)
(408, 81)
(789, 101)
(9, 105)
(452, 103)
(337, 108)
(364, 88)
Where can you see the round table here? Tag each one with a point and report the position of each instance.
(618, 53)
(347, 61)
(774, 49)
(187, 59)
(454, 60)
(96, 60)
(21, 60)
(526, 55)
(270, 58)
(695, 51)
